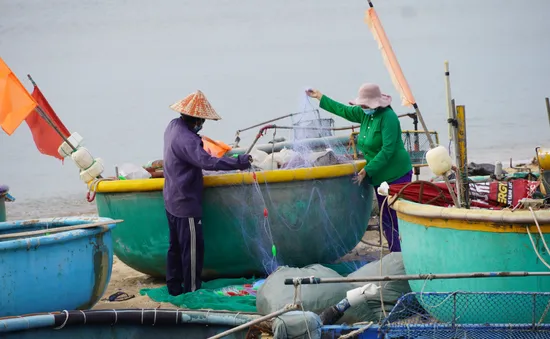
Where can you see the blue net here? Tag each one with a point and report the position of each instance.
(470, 315)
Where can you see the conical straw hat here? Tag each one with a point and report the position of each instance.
(196, 105)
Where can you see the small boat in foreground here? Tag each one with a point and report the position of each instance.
(42, 269)
(143, 324)
(437, 239)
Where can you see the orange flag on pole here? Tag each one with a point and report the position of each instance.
(398, 79)
(15, 102)
(46, 138)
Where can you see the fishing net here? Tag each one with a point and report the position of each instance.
(474, 315)
(289, 217)
(226, 294)
(220, 294)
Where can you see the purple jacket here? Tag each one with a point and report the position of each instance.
(184, 160)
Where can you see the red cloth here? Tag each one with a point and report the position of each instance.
(45, 137)
(494, 195)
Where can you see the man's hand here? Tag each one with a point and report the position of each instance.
(360, 177)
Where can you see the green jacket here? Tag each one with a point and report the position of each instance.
(379, 139)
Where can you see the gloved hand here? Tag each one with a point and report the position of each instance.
(361, 294)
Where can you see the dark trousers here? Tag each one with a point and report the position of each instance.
(389, 218)
(185, 255)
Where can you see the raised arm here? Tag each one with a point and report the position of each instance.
(350, 113)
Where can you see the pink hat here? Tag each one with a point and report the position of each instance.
(370, 95)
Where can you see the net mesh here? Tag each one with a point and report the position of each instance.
(470, 315)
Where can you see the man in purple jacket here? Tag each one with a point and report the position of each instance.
(184, 160)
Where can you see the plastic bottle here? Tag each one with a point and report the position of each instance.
(131, 171)
(439, 160)
(498, 170)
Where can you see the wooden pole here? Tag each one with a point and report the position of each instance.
(463, 154)
(48, 120)
(548, 108)
(458, 174)
(449, 102)
(59, 229)
(314, 280)
(255, 321)
(432, 145)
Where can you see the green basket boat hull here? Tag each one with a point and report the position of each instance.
(455, 246)
(2, 208)
(309, 221)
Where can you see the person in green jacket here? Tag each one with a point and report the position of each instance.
(381, 143)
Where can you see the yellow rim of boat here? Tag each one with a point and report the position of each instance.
(495, 221)
(298, 174)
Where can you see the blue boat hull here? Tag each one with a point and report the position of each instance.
(142, 324)
(62, 271)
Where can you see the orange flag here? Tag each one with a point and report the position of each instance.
(15, 102)
(45, 137)
(390, 60)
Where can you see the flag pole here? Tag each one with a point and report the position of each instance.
(425, 128)
(48, 120)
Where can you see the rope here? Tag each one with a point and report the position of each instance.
(90, 196)
(65, 322)
(356, 332)
(381, 253)
(541, 235)
(298, 299)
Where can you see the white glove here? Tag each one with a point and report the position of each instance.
(361, 294)
(384, 189)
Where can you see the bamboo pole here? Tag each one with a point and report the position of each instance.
(48, 120)
(449, 102)
(314, 280)
(458, 174)
(59, 229)
(253, 322)
(463, 154)
(432, 145)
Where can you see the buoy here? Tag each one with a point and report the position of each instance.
(65, 150)
(93, 172)
(82, 158)
(439, 160)
(543, 158)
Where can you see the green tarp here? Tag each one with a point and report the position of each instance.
(208, 297)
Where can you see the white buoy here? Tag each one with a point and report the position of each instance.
(93, 172)
(76, 141)
(439, 161)
(82, 158)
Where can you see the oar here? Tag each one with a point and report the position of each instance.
(59, 229)
(314, 280)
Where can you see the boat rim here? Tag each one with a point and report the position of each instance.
(503, 216)
(52, 239)
(232, 179)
